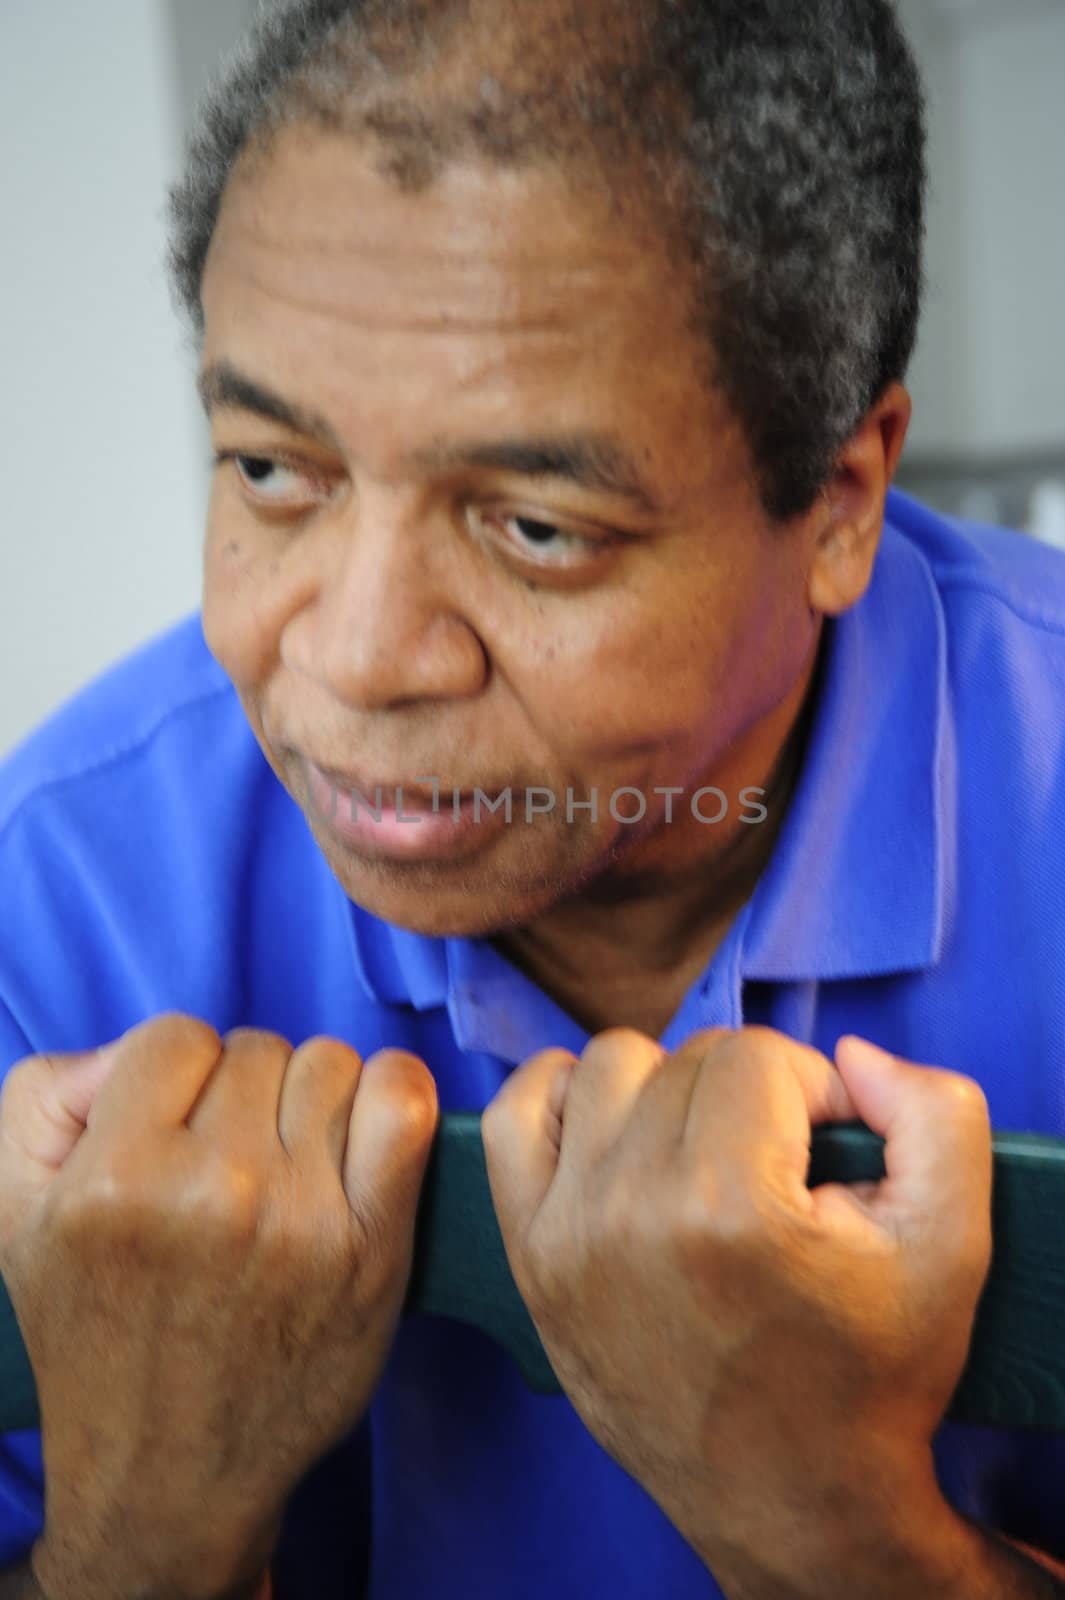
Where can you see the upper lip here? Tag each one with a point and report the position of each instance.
(368, 786)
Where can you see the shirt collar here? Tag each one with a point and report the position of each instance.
(858, 881)
(492, 1006)
(396, 966)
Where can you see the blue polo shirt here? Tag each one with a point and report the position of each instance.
(150, 861)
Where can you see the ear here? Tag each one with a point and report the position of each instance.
(853, 506)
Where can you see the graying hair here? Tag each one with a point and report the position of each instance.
(785, 141)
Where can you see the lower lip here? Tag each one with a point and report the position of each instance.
(407, 833)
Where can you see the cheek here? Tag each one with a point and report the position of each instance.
(238, 628)
(606, 675)
(695, 663)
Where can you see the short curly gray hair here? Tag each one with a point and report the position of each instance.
(785, 140)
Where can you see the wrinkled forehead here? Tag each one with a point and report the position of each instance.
(320, 234)
(491, 298)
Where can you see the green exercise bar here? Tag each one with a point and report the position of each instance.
(1015, 1376)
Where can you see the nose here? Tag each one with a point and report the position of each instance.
(387, 626)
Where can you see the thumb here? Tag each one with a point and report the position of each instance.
(45, 1107)
(522, 1132)
(937, 1134)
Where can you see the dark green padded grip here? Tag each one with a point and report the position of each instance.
(1015, 1376)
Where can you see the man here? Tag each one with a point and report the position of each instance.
(579, 730)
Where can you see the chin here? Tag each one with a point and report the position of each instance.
(464, 901)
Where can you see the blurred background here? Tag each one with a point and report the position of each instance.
(106, 453)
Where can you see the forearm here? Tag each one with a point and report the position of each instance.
(1048, 1563)
(984, 1565)
(20, 1583)
(977, 1563)
(948, 1557)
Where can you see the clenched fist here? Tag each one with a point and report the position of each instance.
(770, 1361)
(207, 1244)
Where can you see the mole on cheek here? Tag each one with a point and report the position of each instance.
(233, 547)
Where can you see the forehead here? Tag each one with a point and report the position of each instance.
(489, 288)
(491, 241)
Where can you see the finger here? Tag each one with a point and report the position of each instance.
(237, 1108)
(522, 1133)
(45, 1102)
(613, 1068)
(758, 1095)
(316, 1099)
(159, 1070)
(659, 1114)
(394, 1116)
(937, 1132)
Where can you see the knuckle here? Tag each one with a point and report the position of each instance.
(958, 1097)
(103, 1205)
(257, 1038)
(140, 1211)
(224, 1201)
(331, 1052)
(758, 1043)
(422, 1104)
(403, 1084)
(614, 1041)
(693, 1228)
(180, 1029)
(697, 1218)
(418, 1121)
(720, 1050)
(617, 1054)
(760, 1034)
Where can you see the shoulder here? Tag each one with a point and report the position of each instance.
(132, 822)
(985, 573)
(1000, 599)
(119, 722)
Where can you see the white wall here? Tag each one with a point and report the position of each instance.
(988, 376)
(1013, 70)
(939, 378)
(104, 461)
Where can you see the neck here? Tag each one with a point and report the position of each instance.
(625, 950)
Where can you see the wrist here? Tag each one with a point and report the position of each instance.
(882, 1536)
(934, 1551)
(53, 1580)
(260, 1588)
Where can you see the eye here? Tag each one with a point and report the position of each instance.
(542, 542)
(270, 479)
(542, 534)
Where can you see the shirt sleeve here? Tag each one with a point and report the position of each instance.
(21, 1465)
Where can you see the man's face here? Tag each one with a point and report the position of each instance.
(452, 585)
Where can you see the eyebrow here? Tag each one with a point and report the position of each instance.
(222, 387)
(592, 461)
